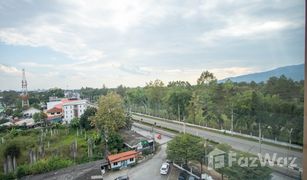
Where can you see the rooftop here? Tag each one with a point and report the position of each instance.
(131, 138)
(122, 156)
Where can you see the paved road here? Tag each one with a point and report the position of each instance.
(237, 143)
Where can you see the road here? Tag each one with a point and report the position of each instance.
(148, 168)
(237, 143)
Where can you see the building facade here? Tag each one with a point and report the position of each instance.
(74, 109)
(121, 160)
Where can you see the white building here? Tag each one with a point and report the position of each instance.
(74, 109)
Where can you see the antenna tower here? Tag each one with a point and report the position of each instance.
(24, 93)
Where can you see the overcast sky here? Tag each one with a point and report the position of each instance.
(73, 44)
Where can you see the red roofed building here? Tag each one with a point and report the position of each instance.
(123, 159)
(55, 111)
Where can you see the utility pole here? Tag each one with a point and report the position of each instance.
(260, 137)
(183, 125)
(178, 112)
(232, 121)
(153, 138)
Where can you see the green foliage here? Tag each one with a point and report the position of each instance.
(39, 117)
(10, 176)
(75, 123)
(276, 104)
(12, 149)
(115, 142)
(205, 78)
(110, 115)
(184, 148)
(85, 117)
(43, 166)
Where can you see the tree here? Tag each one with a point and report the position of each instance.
(137, 97)
(180, 84)
(195, 111)
(155, 93)
(75, 123)
(110, 115)
(39, 117)
(115, 142)
(177, 100)
(205, 78)
(85, 117)
(121, 90)
(185, 148)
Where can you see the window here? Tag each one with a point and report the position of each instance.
(131, 159)
(115, 164)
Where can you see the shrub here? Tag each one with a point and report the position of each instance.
(12, 150)
(43, 166)
(9, 176)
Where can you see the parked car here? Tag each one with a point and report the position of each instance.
(122, 178)
(183, 176)
(164, 168)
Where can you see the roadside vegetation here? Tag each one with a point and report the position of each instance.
(190, 150)
(275, 107)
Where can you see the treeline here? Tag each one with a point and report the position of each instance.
(275, 106)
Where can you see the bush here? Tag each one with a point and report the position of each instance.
(12, 150)
(22, 171)
(9, 176)
(43, 166)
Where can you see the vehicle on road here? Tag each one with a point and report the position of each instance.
(164, 168)
(122, 178)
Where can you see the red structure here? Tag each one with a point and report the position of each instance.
(24, 93)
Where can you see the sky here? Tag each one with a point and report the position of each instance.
(72, 44)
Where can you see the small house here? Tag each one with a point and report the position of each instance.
(136, 141)
(121, 160)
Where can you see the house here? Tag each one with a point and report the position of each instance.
(136, 141)
(55, 111)
(30, 112)
(121, 160)
(58, 103)
(74, 109)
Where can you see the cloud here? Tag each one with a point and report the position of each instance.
(248, 29)
(35, 65)
(54, 37)
(131, 42)
(9, 70)
(222, 73)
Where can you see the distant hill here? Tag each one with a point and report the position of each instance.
(295, 72)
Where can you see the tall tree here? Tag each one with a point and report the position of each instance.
(110, 115)
(205, 78)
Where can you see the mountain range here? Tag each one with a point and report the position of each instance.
(295, 72)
